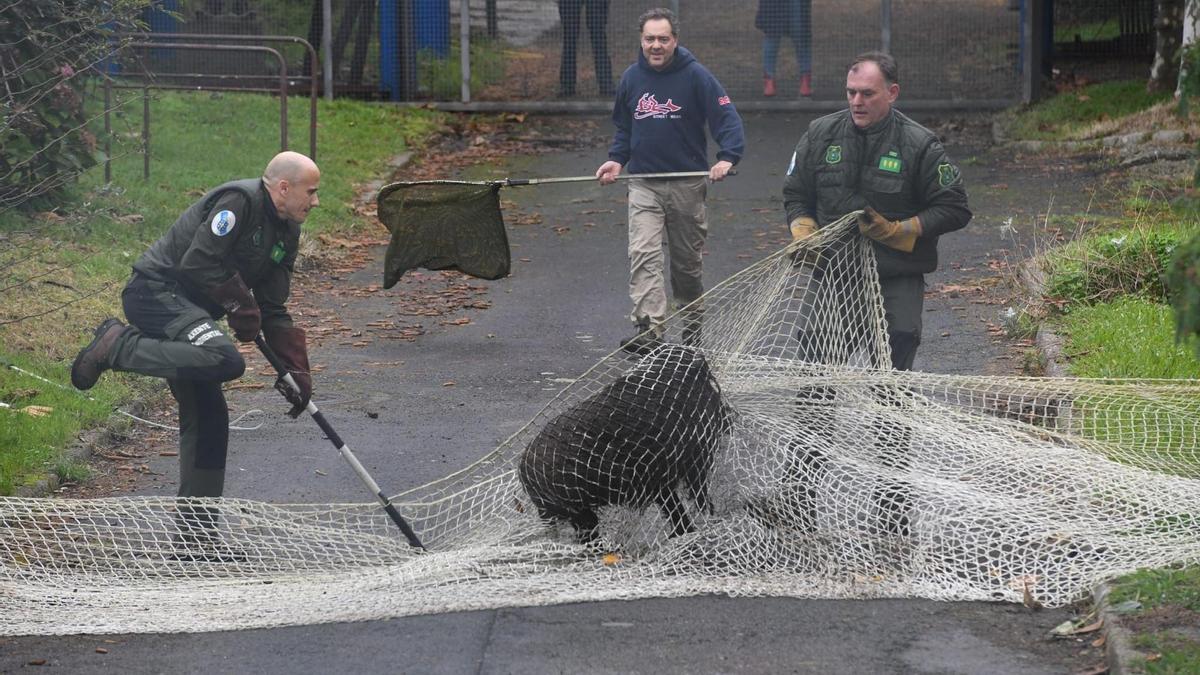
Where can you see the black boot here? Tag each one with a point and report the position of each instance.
(643, 341)
(198, 539)
(94, 359)
(692, 321)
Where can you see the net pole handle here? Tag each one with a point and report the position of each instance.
(342, 448)
(627, 176)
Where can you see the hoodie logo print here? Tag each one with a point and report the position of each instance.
(648, 106)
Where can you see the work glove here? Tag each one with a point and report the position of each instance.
(241, 311)
(288, 343)
(898, 234)
(802, 227)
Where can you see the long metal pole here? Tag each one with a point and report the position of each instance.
(327, 42)
(464, 39)
(347, 455)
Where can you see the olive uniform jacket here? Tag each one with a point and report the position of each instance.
(232, 229)
(895, 166)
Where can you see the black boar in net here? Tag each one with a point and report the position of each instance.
(634, 443)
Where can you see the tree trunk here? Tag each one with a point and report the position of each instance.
(1168, 30)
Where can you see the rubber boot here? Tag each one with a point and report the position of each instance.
(768, 85)
(806, 85)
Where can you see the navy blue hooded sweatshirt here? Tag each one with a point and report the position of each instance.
(660, 117)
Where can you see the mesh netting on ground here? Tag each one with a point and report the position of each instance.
(772, 454)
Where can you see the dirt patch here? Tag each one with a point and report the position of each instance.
(1173, 618)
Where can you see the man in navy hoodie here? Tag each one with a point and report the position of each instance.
(662, 105)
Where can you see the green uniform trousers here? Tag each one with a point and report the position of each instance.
(174, 338)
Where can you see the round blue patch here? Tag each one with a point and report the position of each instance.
(222, 223)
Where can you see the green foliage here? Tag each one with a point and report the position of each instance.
(1058, 117)
(1103, 266)
(1094, 31)
(1129, 337)
(1183, 282)
(441, 78)
(46, 49)
(32, 445)
(1157, 587)
(1175, 591)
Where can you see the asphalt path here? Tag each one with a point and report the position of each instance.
(415, 411)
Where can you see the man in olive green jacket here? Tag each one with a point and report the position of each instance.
(871, 157)
(230, 254)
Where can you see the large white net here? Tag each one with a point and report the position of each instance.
(773, 454)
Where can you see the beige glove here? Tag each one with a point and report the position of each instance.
(802, 227)
(898, 234)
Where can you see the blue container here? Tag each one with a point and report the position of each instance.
(431, 24)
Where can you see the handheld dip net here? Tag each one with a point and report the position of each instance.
(773, 455)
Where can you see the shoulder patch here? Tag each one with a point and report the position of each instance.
(222, 223)
(947, 174)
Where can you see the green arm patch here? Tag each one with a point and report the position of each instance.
(947, 174)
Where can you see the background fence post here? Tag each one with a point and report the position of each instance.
(464, 33)
(885, 26)
(327, 52)
(1033, 18)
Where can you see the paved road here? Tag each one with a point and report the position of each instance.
(555, 316)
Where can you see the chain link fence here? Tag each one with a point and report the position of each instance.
(571, 51)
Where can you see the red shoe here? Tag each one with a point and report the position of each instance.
(768, 85)
(806, 85)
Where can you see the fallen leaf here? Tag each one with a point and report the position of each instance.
(37, 410)
(448, 384)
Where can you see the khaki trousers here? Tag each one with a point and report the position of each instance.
(665, 213)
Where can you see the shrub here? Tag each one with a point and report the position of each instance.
(1101, 267)
(47, 47)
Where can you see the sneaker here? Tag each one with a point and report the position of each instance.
(643, 341)
(806, 85)
(768, 86)
(92, 360)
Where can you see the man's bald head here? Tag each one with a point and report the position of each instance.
(288, 165)
(292, 181)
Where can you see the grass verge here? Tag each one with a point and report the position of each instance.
(1106, 285)
(1071, 113)
(61, 270)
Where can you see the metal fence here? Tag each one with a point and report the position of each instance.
(558, 51)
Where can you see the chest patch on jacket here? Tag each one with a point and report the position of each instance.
(833, 154)
(277, 252)
(648, 106)
(222, 223)
(890, 163)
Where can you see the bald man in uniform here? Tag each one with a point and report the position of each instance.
(230, 254)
